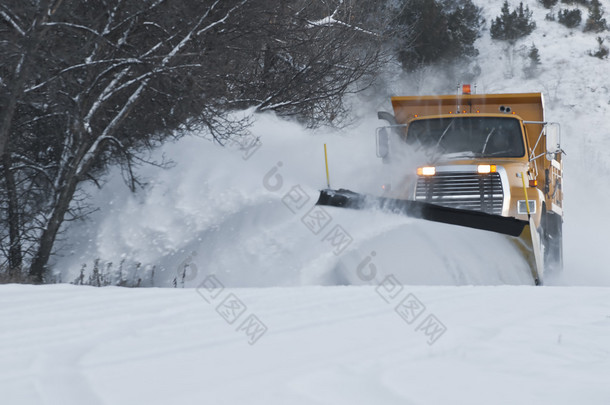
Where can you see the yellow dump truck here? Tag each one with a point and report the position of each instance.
(486, 161)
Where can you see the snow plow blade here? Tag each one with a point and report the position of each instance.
(431, 212)
(524, 234)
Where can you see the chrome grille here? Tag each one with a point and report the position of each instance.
(465, 190)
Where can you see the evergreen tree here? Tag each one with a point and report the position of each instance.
(570, 18)
(464, 24)
(595, 22)
(531, 69)
(426, 25)
(432, 31)
(534, 55)
(501, 27)
(524, 22)
(510, 26)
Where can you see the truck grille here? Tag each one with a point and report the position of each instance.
(465, 190)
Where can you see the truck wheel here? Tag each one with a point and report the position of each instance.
(552, 242)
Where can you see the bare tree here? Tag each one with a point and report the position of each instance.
(91, 84)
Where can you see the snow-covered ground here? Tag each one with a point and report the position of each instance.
(64, 345)
(326, 327)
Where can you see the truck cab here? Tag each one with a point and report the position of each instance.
(493, 153)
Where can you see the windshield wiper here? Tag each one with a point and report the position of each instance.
(437, 153)
(487, 140)
(444, 133)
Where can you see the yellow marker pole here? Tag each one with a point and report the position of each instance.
(326, 161)
(527, 203)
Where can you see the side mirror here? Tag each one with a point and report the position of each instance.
(553, 144)
(383, 142)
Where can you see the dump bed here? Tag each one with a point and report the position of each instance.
(528, 106)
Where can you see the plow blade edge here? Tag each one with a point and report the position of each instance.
(422, 210)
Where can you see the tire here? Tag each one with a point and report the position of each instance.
(552, 242)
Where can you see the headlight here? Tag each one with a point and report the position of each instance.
(484, 169)
(426, 171)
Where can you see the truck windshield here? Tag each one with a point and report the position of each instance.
(469, 136)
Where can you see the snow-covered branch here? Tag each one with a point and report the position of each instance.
(114, 64)
(331, 20)
(12, 22)
(93, 150)
(73, 25)
(103, 97)
(221, 20)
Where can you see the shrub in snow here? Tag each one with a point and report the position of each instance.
(583, 2)
(531, 69)
(103, 274)
(601, 51)
(512, 25)
(10, 276)
(570, 18)
(595, 21)
(548, 3)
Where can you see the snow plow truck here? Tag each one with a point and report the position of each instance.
(485, 161)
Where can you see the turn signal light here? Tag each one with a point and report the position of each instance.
(484, 169)
(533, 183)
(426, 171)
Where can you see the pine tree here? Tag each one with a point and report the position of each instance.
(525, 24)
(570, 18)
(510, 26)
(501, 27)
(464, 26)
(432, 31)
(534, 55)
(531, 69)
(595, 22)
